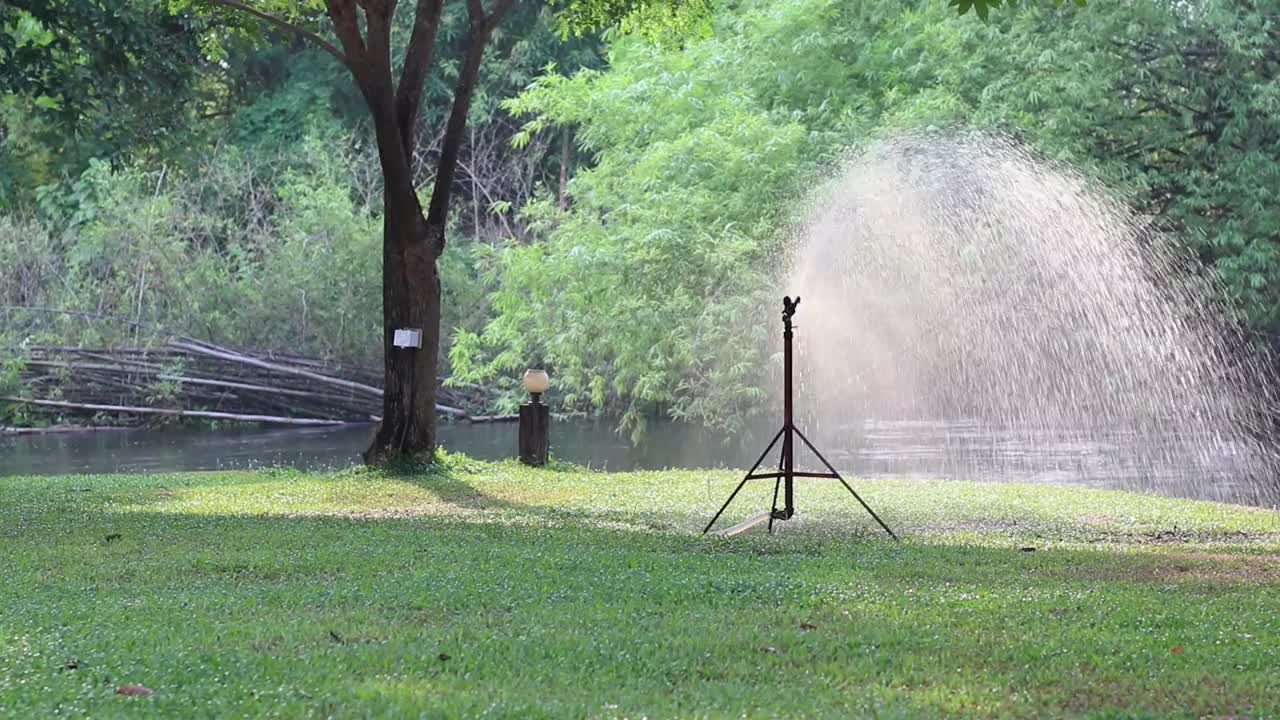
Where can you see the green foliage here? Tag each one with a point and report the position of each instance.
(104, 78)
(284, 96)
(643, 294)
(983, 7)
(26, 161)
(269, 252)
(164, 250)
(9, 380)
(651, 19)
(1173, 108)
(639, 295)
(271, 238)
(1202, 145)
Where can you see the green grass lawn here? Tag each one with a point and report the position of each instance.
(493, 590)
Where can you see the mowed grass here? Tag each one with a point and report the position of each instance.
(493, 590)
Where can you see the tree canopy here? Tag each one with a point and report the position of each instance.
(84, 90)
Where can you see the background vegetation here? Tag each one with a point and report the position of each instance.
(234, 197)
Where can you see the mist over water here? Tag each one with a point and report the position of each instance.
(957, 278)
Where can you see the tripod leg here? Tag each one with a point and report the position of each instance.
(855, 495)
(865, 506)
(773, 509)
(777, 483)
(744, 482)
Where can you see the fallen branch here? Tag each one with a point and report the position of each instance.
(232, 356)
(247, 386)
(447, 410)
(194, 376)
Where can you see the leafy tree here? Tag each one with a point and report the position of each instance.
(413, 236)
(1173, 105)
(278, 94)
(102, 77)
(983, 7)
(1192, 104)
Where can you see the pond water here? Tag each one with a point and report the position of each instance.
(951, 450)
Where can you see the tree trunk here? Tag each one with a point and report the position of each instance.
(410, 300)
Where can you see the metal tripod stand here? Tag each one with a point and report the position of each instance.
(785, 477)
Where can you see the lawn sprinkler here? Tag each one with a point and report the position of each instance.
(784, 478)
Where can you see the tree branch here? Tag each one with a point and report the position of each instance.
(345, 23)
(377, 21)
(484, 190)
(477, 16)
(286, 26)
(417, 61)
(477, 38)
(499, 11)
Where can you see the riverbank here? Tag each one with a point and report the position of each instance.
(492, 588)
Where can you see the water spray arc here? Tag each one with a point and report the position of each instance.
(784, 478)
(1053, 334)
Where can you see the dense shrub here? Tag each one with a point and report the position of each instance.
(275, 253)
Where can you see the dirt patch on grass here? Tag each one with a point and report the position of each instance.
(390, 513)
(1184, 566)
(1207, 697)
(1179, 537)
(1091, 529)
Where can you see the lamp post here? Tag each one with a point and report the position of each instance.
(535, 419)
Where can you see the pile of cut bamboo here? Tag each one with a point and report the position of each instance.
(190, 378)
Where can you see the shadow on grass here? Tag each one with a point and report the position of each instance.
(839, 548)
(853, 546)
(443, 496)
(434, 494)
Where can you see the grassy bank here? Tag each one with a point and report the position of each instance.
(493, 590)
